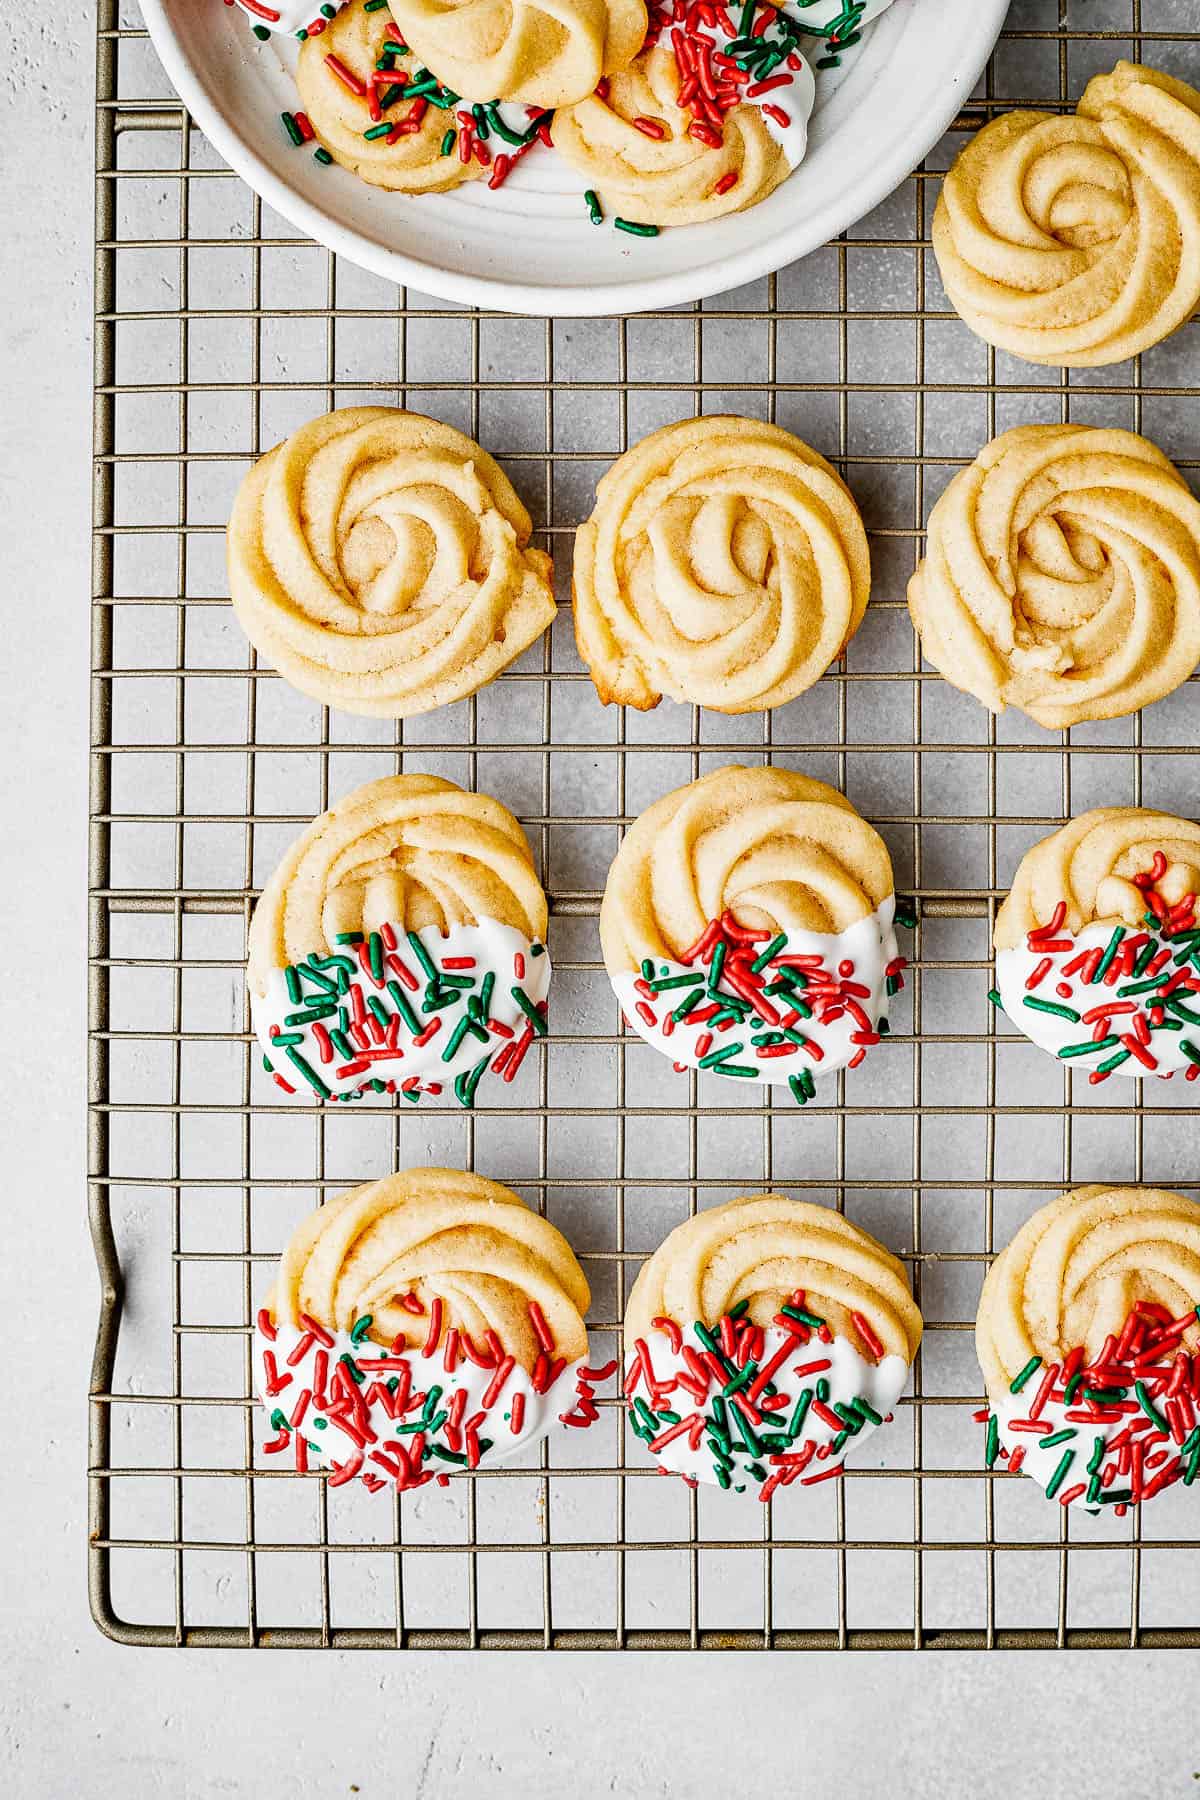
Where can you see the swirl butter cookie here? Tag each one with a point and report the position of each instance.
(421, 1324)
(1098, 946)
(725, 564)
(1062, 575)
(381, 561)
(1076, 241)
(763, 1340)
(336, 74)
(747, 927)
(659, 153)
(1087, 1334)
(540, 52)
(400, 945)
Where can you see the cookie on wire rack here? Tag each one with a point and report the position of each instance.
(1075, 241)
(419, 1325)
(725, 564)
(748, 928)
(1098, 945)
(400, 946)
(1088, 1332)
(1061, 575)
(764, 1340)
(381, 560)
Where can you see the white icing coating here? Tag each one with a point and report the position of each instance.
(850, 1376)
(331, 1445)
(1101, 1449)
(293, 15)
(495, 947)
(870, 944)
(1052, 1033)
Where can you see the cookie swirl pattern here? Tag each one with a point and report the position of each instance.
(1062, 575)
(1076, 241)
(815, 1311)
(670, 177)
(401, 943)
(756, 898)
(1098, 945)
(725, 564)
(1085, 1330)
(406, 160)
(419, 1324)
(381, 561)
(541, 52)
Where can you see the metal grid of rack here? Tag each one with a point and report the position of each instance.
(217, 330)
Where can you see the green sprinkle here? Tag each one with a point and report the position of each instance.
(663, 982)
(685, 1006)
(310, 1074)
(796, 1422)
(295, 995)
(866, 1409)
(356, 1374)
(377, 131)
(804, 1318)
(1097, 1456)
(360, 1328)
(492, 114)
(716, 1057)
(1176, 1005)
(292, 129)
(1057, 1437)
(423, 957)
(321, 155)
(1105, 963)
(595, 210)
(991, 1447)
(742, 1071)
(823, 1391)
(279, 1421)
(797, 1088)
(376, 1007)
(401, 1002)
(1114, 1062)
(1050, 1006)
(764, 957)
(1060, 1474)
(715, 967)
(449, 141)
(645, 231)
(1024, 1375)
(1084, 1049)
(994, 997)
(1148, 1407)
(529, 1009)
(1189, 1050)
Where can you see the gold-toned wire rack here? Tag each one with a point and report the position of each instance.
(217, 330)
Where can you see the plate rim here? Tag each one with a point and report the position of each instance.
(547, 300)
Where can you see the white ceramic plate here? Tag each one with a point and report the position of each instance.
(529, 246)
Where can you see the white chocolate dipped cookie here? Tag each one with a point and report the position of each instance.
(381, 560)
(1098, 947)
(748, 928)
(763, 1340)
(1076, 241)
(1087, 1334)
(1062, 575)
(400, 946)
(420, 1325)
(725, 564)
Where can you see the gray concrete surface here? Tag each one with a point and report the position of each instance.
(81, 1716)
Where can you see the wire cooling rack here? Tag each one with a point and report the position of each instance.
(217, 331)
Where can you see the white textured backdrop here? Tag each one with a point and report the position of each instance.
(80, 1715)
